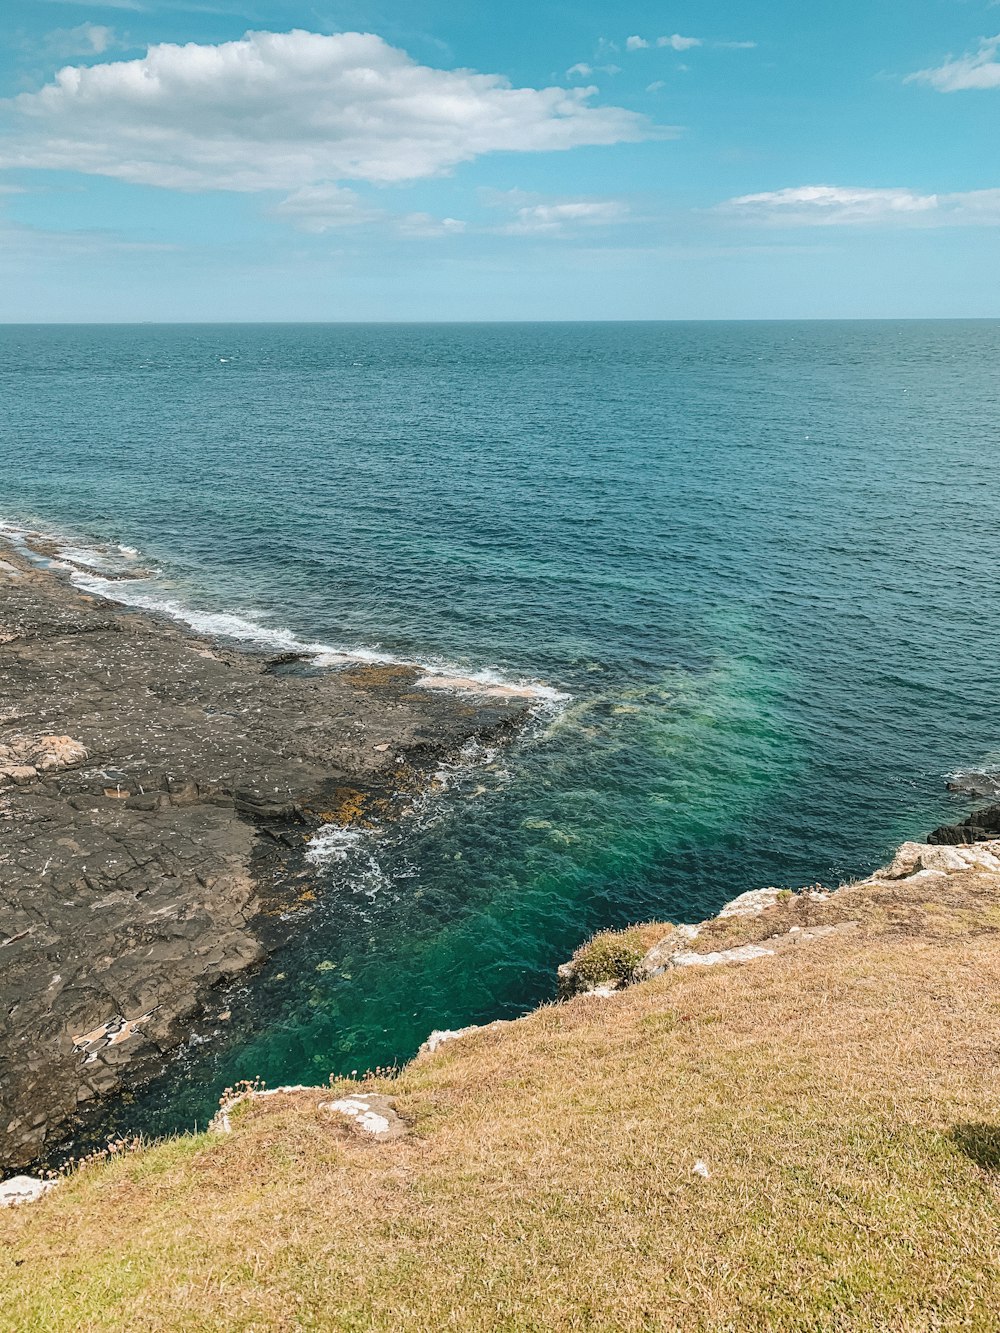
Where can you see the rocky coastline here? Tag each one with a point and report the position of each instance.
(158, 793)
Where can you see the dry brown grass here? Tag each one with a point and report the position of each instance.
(843, 1096)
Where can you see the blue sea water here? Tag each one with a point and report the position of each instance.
(759, 560)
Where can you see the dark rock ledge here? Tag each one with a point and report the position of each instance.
(157, 792)
(983, 826)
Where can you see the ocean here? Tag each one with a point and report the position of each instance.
(751, 569)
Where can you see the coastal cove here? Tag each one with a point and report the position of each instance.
(733, 555)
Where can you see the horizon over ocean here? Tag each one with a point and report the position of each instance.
(752, 562)
(486, 323)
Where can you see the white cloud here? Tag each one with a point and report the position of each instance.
(89, 39)
(580, 71)
(423, 224)
(679, 43)
(978, 70)
(656, 86)
(830, 205)
(288, 110)
(534, 215)
(319, 208)
(102, 4)
(555, 219)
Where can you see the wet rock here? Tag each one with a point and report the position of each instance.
(979, 827)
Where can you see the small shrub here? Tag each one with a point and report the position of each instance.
(609, 956)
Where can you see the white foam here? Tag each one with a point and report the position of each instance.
(333, 842)
(69, 553)
(477, 685)
(214, 624)
(355, 852)
(135, 592)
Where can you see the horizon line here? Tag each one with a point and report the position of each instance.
(333, 323)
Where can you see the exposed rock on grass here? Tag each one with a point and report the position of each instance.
(23, 1189)
(441, 1036)
(373, 1114)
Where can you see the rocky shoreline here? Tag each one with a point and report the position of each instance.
(157, 797)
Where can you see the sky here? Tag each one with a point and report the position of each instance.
(436, 160)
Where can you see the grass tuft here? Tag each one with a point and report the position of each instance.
(611, 957)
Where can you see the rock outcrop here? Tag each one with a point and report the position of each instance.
(982, 826)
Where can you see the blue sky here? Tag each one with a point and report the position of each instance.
(433, 160)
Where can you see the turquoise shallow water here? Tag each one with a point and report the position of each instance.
(759, 559)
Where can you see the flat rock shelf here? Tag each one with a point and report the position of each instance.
(157, 795)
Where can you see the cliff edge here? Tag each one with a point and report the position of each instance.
(792, 1123)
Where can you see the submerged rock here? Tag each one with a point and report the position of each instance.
(985, 785)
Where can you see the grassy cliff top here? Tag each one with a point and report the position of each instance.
(807, 1141)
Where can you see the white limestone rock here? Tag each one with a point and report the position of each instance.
(23, 1189)
(441, 1036)
(373, 1114)
(918, 858)
(746, 953)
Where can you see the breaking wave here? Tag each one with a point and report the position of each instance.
(115, 572)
